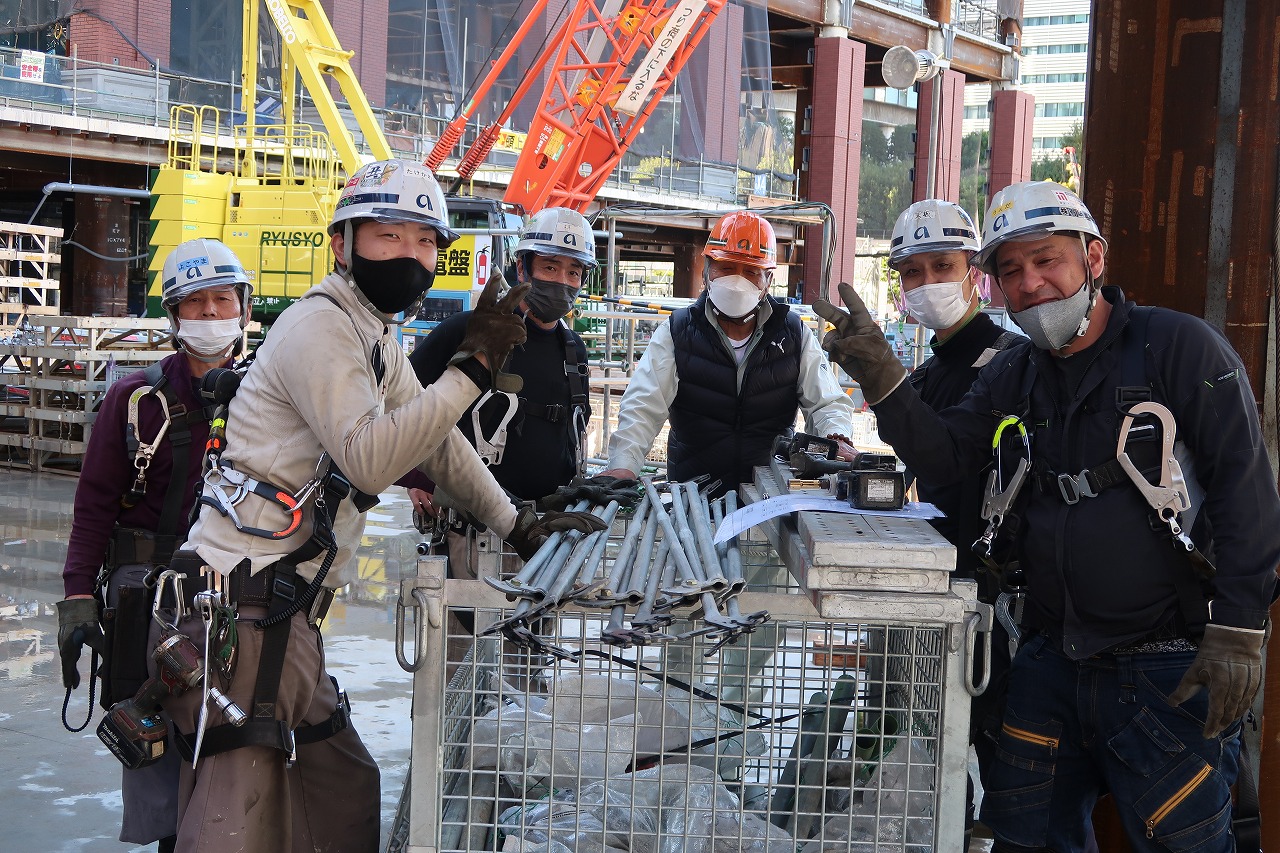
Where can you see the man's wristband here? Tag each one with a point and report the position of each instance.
(473, 370)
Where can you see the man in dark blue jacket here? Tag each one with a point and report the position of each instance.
(1127, 616)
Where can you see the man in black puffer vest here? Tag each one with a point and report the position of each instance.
(730, 371)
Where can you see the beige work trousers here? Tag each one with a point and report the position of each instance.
(246, 800)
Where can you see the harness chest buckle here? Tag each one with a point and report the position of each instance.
(1073, 487)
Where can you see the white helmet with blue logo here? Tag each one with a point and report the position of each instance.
(932, 225)
(1032, 209)
(394, 191)
(198, 265)
(559, 231)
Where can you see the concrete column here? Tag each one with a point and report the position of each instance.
(834, 142)
(710, 122)
(687, 275)
(950, 119)
(1012, 118)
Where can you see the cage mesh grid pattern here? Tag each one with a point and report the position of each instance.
(804, 736)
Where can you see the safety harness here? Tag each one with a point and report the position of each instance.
(1170, 499)
(141, 546)
(491, 447)
(277, 587)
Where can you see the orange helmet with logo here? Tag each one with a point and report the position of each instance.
(743, 237)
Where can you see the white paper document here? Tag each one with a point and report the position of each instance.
(752, 514)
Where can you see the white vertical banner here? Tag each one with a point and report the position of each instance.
(32, 66)
(674, 32)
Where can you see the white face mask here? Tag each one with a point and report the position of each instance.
(209, 338)
(938, 306)
(734, 296)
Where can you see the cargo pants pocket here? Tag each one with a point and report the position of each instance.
(1018, 796)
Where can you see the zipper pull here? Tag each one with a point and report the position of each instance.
(1151, 829)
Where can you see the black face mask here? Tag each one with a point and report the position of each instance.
(391, 285)
(549, 300)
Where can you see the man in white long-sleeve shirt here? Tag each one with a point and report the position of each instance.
(730, 371)
(331, 400)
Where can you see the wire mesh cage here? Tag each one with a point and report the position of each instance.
(807, 734)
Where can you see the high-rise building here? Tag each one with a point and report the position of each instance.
(1055, 59)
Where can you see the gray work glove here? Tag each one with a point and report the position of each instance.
(77, 627)
(531, 529)
(858, 345)
(1230, 665)
(494, 330)
(599, 490)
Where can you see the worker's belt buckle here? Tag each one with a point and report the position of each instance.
(320, 606)
(554, 412)
(1073, 487)
(283, 588)
(287, 743)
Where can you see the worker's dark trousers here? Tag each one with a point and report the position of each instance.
(1073, 728)
(246, 800)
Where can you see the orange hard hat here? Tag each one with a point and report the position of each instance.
(743, 237)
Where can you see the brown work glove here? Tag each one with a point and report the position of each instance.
(531, 529)
(493, 330)
(858, 346)
(1230, 665)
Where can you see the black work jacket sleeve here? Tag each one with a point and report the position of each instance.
(431, 356)
(1216, 413)
(942, 448)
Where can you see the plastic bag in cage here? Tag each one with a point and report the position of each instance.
(591, 726)
(674, 808)
(896, 807)
(587, 729)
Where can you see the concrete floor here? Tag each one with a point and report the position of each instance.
(60, 791)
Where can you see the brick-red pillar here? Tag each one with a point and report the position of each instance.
(688, 265)
(714, 73)
(835, 146)
(951, 117)
(1012, 119)
(361, 25)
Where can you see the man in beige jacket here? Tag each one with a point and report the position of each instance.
(330, 390)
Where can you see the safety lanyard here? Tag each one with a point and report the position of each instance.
(1001, 493)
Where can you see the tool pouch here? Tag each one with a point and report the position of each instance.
(125, 628)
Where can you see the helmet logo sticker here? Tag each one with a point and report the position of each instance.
(191, 266)
(570, 240)
(424, 201)
(922, 233)
(1000, 223)
(744, 244)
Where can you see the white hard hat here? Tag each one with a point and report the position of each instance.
(394, 191)
(932, 225)
(1033, 209)
(200, 264)
(559, 231)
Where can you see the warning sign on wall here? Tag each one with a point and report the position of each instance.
(33, 66)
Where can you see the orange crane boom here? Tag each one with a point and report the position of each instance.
(608, 67)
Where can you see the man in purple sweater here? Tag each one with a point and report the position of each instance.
(133, 503)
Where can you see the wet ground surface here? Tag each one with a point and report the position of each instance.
(60, 791)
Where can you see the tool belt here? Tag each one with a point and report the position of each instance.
(273, 734)
(244, 589)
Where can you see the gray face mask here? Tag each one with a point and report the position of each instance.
(1053, 325)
